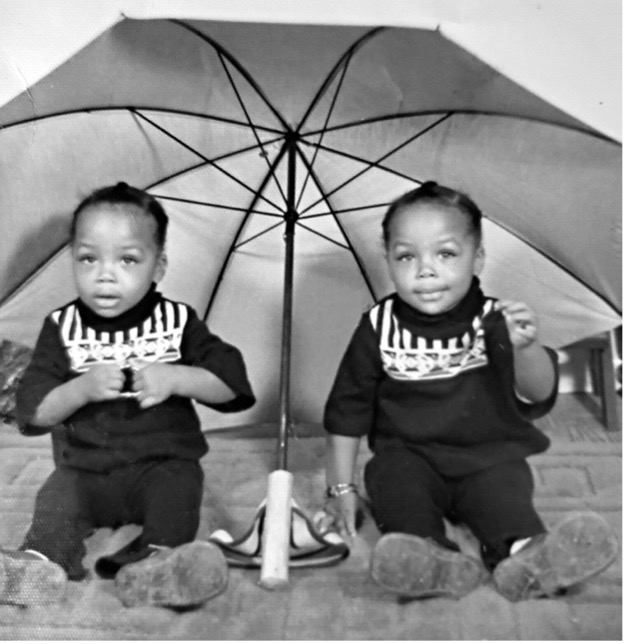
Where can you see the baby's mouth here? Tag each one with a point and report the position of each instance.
(434, 294)
(106, 299)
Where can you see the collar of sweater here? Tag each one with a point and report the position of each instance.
(452, 323)
(131, 318)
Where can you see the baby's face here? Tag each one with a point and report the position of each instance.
(432, 256)
(115, 257)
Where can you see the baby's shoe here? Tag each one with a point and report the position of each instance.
(414, 567)
(181, 577)
(578, 548)
(30, 579)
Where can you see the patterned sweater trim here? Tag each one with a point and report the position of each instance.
(407, 356)
(156, 339)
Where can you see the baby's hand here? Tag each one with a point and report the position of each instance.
(340, 515)
(153, 383)
(521, 322)
(102, 382)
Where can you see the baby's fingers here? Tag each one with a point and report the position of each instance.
(520, 321)
(323, 521)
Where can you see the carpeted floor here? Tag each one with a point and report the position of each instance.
(582, 470)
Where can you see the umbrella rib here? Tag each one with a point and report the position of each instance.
(220, 206)
(233, 245)
(257, 235)
(199, 154)
(339, 225)
(333, 72)
(251, 124)
(326, 121)
(240, 68)
(342, 63)
(227, 155)
(326, 237)
(371, 164)
(338, 211)
(406, 115)
(143, 108)
(376, 163)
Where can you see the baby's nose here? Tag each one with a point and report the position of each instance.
(425, 269)
(106, 272)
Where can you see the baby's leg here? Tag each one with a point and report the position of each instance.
(407, 495)
(61, 521)
(175, 570)
(167, 500)
(53, 548)
(527, 561)
(164, 497)
(414, 558)
(497, 505)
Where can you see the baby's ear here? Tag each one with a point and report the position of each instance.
(161, 267)
(479, 261)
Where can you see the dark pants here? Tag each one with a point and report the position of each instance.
(163, 496)
(408, 495)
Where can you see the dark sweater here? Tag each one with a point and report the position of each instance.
(442, 386)
(104, 435)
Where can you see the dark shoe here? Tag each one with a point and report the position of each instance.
(109, 565)
(414, 567)
(27, 579)
(181, 577)
(578, 548)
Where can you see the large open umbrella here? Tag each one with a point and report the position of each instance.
(275, 149)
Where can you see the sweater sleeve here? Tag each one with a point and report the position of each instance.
(351, 405)
(500, 351)
(533, 410)
(201, 348)
(47, 369)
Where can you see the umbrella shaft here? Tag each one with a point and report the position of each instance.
(285, 364)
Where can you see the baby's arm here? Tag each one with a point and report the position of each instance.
(534, 372)
(156, 382)
(101, 382)
(341, 453)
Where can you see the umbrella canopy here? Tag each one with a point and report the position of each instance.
(275, 149)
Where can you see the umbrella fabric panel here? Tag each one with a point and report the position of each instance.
(195, 253)
(40, 192)
(142, 64)
(329, 297)
(161, 63)
(550, 185)
(411, 71)
(554, 188)
(199, 137)
(22, 315)
(48, 166)
(567, 310)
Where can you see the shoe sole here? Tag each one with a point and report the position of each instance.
(181, 577)
(418, 568)
(577, 549)
(30, 582)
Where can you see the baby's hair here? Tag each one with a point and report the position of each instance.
(432, 192)
(122, 193)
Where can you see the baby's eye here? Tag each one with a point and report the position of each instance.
(446, 254)
(128, 260)
(404, 257)
(86, 259)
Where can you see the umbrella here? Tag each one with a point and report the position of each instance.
(275, 149)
